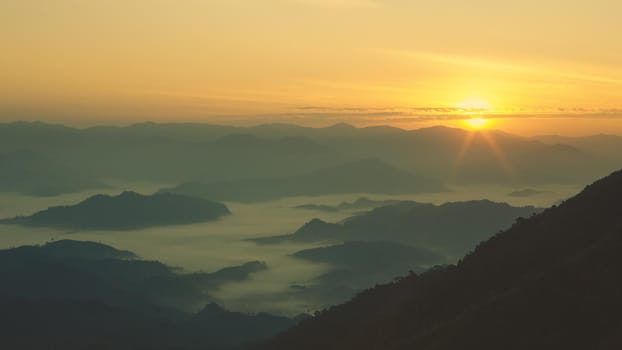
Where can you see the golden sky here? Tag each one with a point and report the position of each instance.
(538, 67)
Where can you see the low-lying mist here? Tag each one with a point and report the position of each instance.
(211, 246)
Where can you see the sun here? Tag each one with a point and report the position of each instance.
(477, 123)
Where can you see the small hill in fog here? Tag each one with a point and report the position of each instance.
(452, 228)
(127, 211)
(70, 249)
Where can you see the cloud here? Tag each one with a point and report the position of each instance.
(573, 72)
(430, 113)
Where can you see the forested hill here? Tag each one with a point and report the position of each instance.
(549, 282)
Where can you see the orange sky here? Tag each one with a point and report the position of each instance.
(541, 66)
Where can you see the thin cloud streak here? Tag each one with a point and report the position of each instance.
(505, 67)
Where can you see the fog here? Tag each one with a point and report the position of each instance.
(214, 245)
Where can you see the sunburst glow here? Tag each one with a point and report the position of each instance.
(477, 123)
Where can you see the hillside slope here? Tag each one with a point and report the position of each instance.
(549, 282)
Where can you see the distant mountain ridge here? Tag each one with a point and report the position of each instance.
(363, 176)
(212, 153)
(359, 204)
(127, 211)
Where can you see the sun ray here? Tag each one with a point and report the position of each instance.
(466, 144)
(500, 155)
(497, 151)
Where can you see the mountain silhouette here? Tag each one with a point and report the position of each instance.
(363, 176)
(77, 270)
(127, 211)
(207, 153)
(549, 282)
(75, 325)
(78, 295)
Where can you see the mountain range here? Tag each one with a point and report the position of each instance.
(204, 153)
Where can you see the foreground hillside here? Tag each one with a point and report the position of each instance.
(86, 295)
(549, 282)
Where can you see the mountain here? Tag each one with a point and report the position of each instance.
(215, 327)
(599, 146)
(76, 295)
(549, 282)
(315, 230)
(364, 176)
(207, 153)
(485, 157)
(76, 270)
(359, 204)
(451, 229)
(191, 152)
(33, 174)
(75, 325)
(460, 156)
(127, 211)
